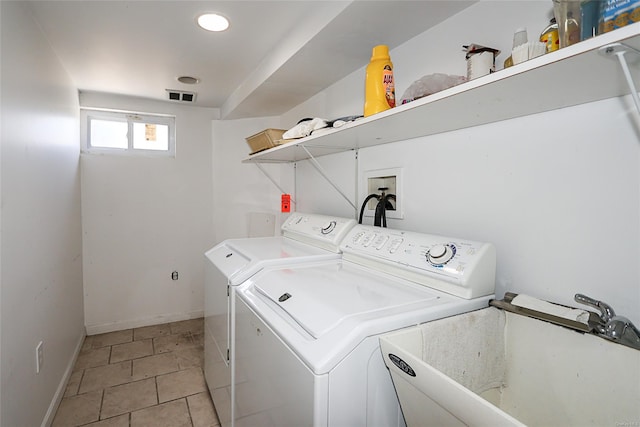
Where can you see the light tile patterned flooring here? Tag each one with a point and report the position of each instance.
(143, 377)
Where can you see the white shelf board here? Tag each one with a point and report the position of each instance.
(570, 76)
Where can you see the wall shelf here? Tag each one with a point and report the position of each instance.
(570, 76)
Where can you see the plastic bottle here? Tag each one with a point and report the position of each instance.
(550, 36)
(590, 11)
(572, 29)
(519, 37)
(379, 92)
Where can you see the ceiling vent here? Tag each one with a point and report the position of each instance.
(182, 96)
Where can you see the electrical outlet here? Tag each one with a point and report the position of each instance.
(39, 357)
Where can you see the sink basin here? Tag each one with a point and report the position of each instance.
(490, 367)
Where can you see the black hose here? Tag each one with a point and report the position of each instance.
(386, 206)
(380, 216)
(364, 204)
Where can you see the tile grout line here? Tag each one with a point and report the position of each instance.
(101, 404)
(190, 340)
(99, 411)
(186, 401)
(155, 380)
(84, 370)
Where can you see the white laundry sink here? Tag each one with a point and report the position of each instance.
(490, 367)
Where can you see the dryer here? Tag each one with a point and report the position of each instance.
(304, 237)
(306, 349)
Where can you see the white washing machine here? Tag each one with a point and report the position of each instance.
(304, 237)
(306, 349)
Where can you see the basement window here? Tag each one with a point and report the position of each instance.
(129, 133)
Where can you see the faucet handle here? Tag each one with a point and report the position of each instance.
(606, 312)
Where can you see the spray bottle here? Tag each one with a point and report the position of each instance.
(379, 93)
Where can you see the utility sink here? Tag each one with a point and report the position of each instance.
(491, 367)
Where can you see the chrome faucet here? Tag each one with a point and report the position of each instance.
(612, 327)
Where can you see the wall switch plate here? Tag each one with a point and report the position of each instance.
(39, 357)
(391, 179)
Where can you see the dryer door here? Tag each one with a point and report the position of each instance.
(220, 265)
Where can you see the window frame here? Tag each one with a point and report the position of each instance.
(130, 117)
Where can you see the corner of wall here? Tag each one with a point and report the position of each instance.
(64, 381)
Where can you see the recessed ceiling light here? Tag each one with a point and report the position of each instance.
(188, 80)
(213, 22)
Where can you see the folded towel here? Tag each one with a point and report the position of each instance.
(341, 121)
(532, 303)
(316, 126)
(304, 128)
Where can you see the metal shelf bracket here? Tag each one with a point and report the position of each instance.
(619, 50)
(272, 180)
(317, 167)
(321, 171)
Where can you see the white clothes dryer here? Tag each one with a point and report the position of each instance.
(304, 237)
(306, 349)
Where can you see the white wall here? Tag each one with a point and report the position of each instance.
(242, 189)
(558, 193)
(41, 235)
(143, 218)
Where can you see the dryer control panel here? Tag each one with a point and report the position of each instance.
(318, 230)
(460, 267)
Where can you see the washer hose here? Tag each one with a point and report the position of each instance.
(380, 217)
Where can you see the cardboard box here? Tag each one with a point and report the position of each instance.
(266, 139)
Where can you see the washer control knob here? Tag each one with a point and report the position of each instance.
(328, 227)
(441, 254)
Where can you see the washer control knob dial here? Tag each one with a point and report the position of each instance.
(441, 254)
(328, 227)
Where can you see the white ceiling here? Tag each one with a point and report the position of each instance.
(275, 55)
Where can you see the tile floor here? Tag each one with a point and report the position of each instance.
(143, 377)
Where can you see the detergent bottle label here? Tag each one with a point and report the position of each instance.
(389, 86)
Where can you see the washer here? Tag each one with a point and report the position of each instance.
(304, 237)
(306, 349)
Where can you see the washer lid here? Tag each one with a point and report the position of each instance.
(238, 259)
(274, 248)
(227, 260)
(324, 297)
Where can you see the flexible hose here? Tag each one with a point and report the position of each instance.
(386, 204)
(364, 204)
(380, 216)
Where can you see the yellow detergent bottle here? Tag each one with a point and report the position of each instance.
(379, 88)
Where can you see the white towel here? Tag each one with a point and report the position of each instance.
(304, 128)
(532, 303)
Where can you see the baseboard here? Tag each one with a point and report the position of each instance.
(62, 387)
(139, 323)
